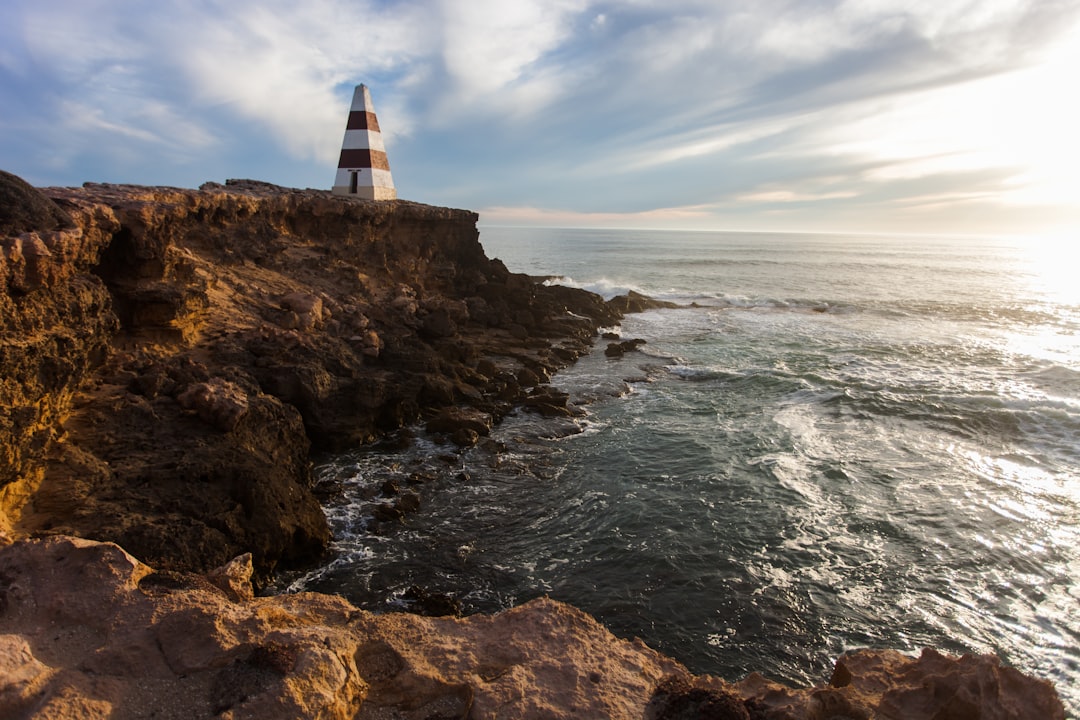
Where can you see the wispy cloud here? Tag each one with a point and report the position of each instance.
(567, 218)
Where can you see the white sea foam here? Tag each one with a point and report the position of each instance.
(603, 287)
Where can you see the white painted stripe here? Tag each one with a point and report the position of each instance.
(382, 178)
(362, 140)
(364, 177)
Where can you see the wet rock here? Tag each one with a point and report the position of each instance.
(408, 501)
(634, 302)
(465, 437)
(454, 419)
(431, 604)
(387, 512)
(676, 698)
(527, 377)
(549, 402)
(621, 348)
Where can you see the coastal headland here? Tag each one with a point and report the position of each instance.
(170, 361)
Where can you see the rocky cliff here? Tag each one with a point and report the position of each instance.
(171, 357)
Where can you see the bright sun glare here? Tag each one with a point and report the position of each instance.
(1038, 126)
(1016, 130)
(1052, 264)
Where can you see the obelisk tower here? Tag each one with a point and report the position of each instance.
(363, 170)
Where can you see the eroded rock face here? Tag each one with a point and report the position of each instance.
(169, 356)
(88, 631)
(56, 326)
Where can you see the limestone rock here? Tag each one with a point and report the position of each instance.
(889, 684)
(88, 631)
(234, 577)
(21, 675)
(305, 310)
(550, 402)
(217, 402)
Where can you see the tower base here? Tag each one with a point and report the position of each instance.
(366, 192)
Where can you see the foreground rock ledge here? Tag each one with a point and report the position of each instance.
(88, 631)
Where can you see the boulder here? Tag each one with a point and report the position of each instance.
(549, 402)
(217, 402)
(452, 419)
(24, 208)
(234, 578)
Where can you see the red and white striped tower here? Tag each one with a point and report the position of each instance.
(363, 170)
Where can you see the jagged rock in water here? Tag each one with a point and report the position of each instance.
(635, 302)
(618, 349)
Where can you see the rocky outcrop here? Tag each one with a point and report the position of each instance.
(171, 357)
(88, 631)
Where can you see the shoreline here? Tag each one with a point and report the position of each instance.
(215, 338)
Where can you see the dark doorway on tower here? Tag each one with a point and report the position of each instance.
(352, 182)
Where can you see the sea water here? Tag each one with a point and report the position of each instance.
(836, 442)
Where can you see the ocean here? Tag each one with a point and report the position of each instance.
(837, 442)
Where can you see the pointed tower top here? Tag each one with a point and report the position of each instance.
(363, 170)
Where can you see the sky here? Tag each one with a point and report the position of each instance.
(886, 116)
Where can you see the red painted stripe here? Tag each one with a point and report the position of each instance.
(359, 120)
(374, 159)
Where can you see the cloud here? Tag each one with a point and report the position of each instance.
(790, 196)
(490, 44)
(275, 65)
(660, 217)
(598, 107)
(290, 68)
